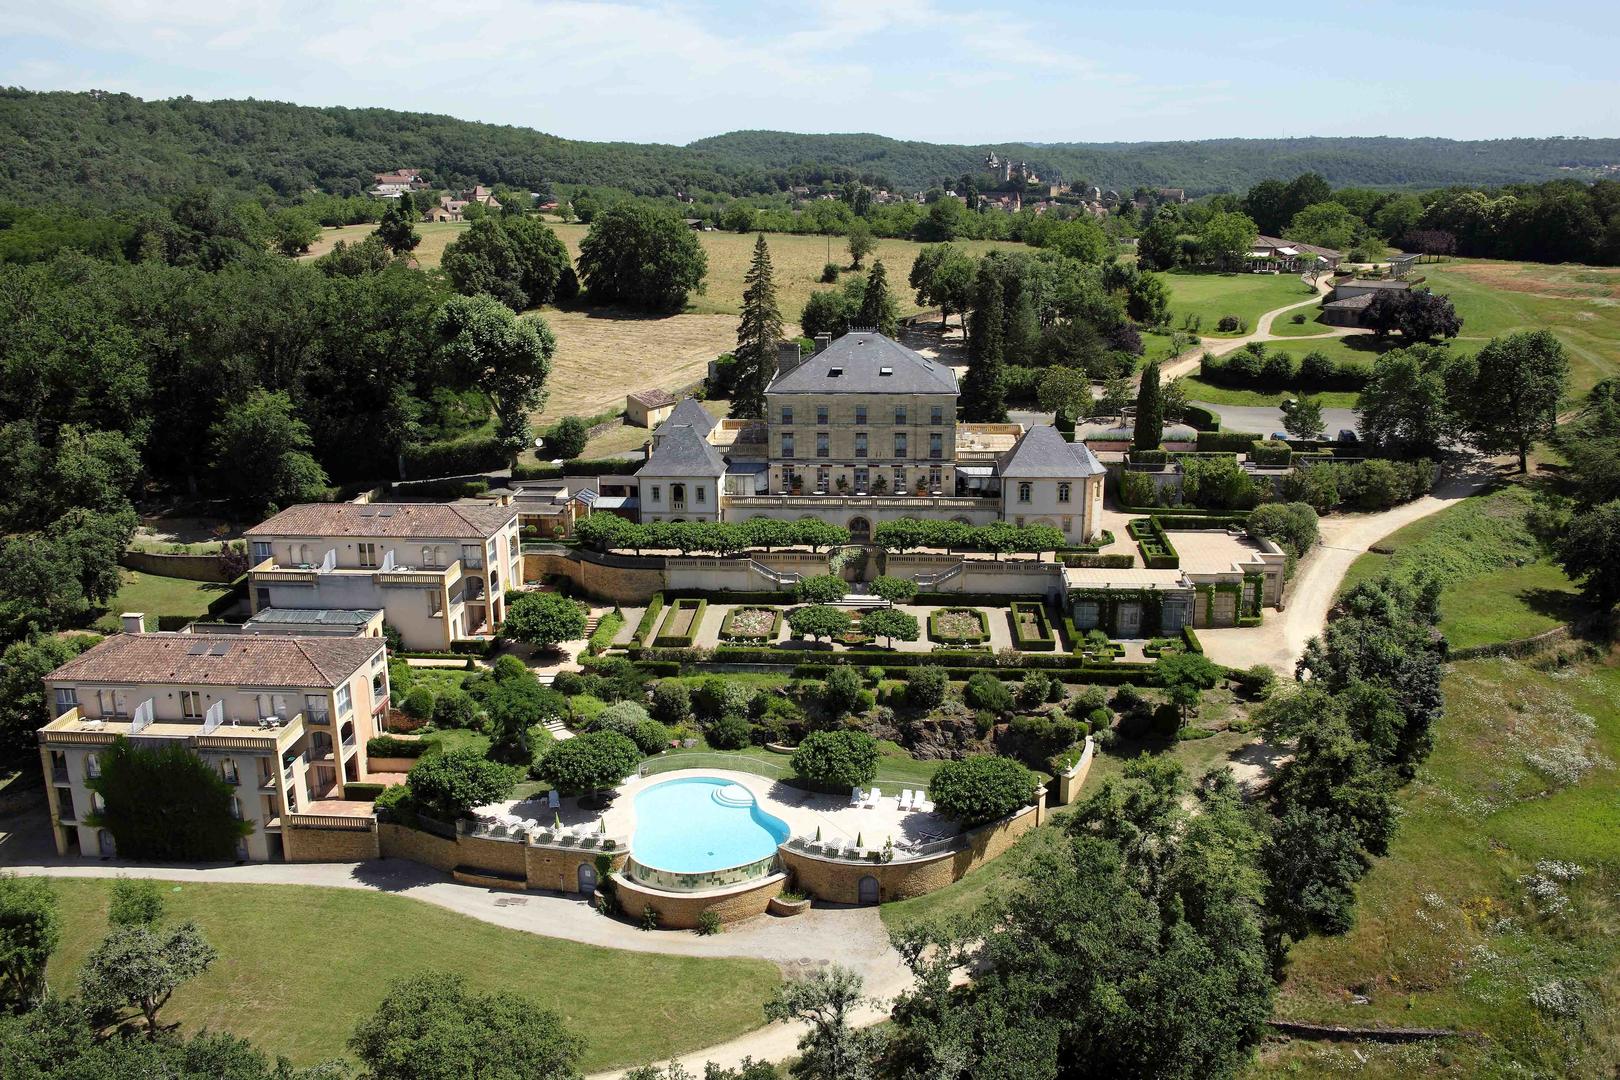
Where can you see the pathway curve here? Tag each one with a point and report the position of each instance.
(1280, 639)
(850, 936)
(1188, 361)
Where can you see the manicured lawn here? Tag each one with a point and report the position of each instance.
(1210, 394)
(299, 966)
(1447, 933)
(1577, 303)
(1360, 350)
(1285, 326)
(1248, 296)
(159, 596)
(1499, 586)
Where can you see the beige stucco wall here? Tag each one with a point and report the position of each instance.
(680, 911)
(657, 493)
(1077, 517)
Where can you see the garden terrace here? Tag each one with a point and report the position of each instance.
(1158, 553)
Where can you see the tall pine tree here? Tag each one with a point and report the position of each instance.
(879, 310)
(758, 335)
(984, 392)
(1149, 410)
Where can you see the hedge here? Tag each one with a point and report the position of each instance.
(1100, 562)
(606, 630)
(1157, 551)
(963, 599)
(776, 622)
(1112, 675)
(454, 457)
(1043, 641)
(362, 792)
(667, 639)
(728, 596)
(577, 467)
(1271, 454)
(388, 746)
(950, 658)
(1239, 441)
(1190, 636)
(1206, 521)
(649, 618)
(1199, 418)
(444, 489)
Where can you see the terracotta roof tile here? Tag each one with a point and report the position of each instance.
(404, 521)
(221, 660)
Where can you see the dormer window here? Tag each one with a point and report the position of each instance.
(835, 372)
(885, 372)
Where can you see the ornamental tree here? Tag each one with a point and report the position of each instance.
(981, 788)
(449, 784)
(544, 618)
(196, 823)
(1185, 676)
(29, 932)
(141, 967)
(1149, 431)
(429, 1026)
(818, 621)
(896, 590)
(1506, 397)
(837, 759)
(590, 762)
(891, 625)
(821, 589)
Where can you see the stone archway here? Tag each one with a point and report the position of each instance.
(867, 890)
(860, 530)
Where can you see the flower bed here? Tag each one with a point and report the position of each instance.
(1030, 629)
(958, 626)
(751, 625)
(681, 624)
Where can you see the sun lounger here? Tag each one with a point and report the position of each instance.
(873, 798)
(553, 800)
(905, 799)
(856, 796)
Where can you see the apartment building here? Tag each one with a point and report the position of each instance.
(437, 571)
(283, 719)
(861, 431)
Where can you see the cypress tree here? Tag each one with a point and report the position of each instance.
(1149, 410)
(878, 307)
(758, 335)
(984, 392)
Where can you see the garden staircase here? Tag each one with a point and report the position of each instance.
(591, 624)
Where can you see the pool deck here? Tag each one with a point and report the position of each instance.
(804, 811)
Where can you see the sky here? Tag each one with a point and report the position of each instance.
(935, 70)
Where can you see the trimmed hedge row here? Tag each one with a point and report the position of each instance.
(454, 457)
(1100, 562)
(1157, 551)
(776, 622)
(1236, 441)
(354, 792)
(935, 634)
(388, 746)
(668, 639)
(1113, 675)
(649, 619)
(576, 467)
(1199, 418)
(949, 658)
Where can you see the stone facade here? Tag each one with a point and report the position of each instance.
(324, 844)
(680, 911)
(555, 869)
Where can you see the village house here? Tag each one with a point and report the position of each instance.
(284, 720)
(390, 185)
(437, 571)
(1274, 255)
(648, 408)
(864, 430)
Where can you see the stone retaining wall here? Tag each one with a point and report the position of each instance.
(552, 868)
(305, 844)
(838, 880)
(680, 911)
(190, 567)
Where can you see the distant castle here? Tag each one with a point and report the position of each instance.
(1007, 171)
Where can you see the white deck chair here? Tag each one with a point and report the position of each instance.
(553, 800)
(905, 799)
(874, 797)
(856, 796)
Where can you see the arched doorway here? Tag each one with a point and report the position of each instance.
(860, 530)
(587, 878)
(867, 890)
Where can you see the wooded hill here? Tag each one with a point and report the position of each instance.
(114, 149)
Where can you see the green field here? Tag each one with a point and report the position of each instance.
(1287, 327)
(159, 597)
(1248, 296)
(1580, 304)
(299, 966)
(1499, 586)
(1357, 350)
(1447, 933)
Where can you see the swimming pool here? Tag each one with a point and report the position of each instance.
(692, 832)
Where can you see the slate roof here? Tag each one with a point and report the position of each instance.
(688, 412)
(1373, 283)
(399, 521)
(860, 358)
(1279, 242)
(681, 451)
(221, 660)
(1358, 302)
(1044, 452)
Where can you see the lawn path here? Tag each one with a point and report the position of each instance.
(852, 937)
(1188, 361)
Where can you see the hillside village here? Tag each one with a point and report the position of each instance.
(1033, 596)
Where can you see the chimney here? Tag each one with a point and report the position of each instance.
(134, 622)
(822, 341)
(787, 357)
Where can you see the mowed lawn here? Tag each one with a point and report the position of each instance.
(1248, 296)
(299, 966)
(1498, 585)
(1447, 933)
(157, 597)
(1358, 349)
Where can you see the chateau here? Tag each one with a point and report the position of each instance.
(861, 431)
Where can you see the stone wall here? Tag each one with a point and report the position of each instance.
(680, 911)
(552, 868)
(306, 844)
(1069, 783)
(557, 868)
(399, 842)
(618, 585)
(190, 567)
(838, 880)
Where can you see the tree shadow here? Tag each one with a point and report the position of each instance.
(1566, 607)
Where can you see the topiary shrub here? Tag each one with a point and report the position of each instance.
(587, 763)
(1229, 324)
(837, 759)
(982, 788)
(671, 702)
(418, 704)
(985, 691)
(821, 589)
(454, 709)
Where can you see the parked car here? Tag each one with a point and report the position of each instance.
(1279, 436)
(1348, 436)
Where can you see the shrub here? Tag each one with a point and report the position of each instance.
(1229, 324)
(631, 720)
(1316, 368)
(544, 618)
(567, 437)
(927, 686)
(671, 701)
(983, 788)
(418, 704)
(1256, 681)
(1100, 719)
(1298, 318)
(821, 589)
(729, 733)
(589, 762)
(829, 273)
(708, 923)
(844, 692)
(837, 759)
(989, 693)
(454, 708)
(1276, 369)
(387, 746)
(1034, 689)
(818, 621)
(651, 737)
